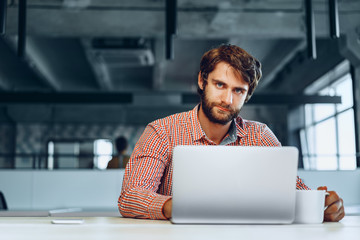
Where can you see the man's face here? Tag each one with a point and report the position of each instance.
(224, 94)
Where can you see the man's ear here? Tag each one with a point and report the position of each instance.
(200, 81)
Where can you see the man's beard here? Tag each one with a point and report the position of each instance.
(210, 111)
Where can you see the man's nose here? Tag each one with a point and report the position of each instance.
(227, 97)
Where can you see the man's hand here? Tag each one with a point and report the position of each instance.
(167, 209)
(335, 206)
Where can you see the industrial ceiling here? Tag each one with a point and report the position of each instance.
(114, 47)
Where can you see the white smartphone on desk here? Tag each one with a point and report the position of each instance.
(67, 221)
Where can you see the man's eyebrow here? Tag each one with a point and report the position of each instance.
(241, 88)
(217, 80)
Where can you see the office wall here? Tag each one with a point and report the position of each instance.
(345, 183)
(45, 190)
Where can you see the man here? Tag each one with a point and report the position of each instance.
(227, 79)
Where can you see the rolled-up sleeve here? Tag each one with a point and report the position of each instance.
(143, 173)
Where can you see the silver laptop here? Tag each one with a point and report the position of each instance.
(234, 184)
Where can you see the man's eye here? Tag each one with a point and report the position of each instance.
(238, 91)
(219, 85)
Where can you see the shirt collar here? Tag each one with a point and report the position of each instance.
(231, 137)
(240, 131)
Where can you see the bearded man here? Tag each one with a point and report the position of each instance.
(227, 79)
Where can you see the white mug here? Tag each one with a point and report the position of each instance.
(310, 206)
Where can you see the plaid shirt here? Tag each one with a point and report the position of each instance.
(147, 181)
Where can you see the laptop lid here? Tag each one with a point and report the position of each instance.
(234, 184)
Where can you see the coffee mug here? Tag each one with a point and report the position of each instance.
(310, 206)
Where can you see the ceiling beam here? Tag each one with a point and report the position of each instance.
(300, 72)
(170, 27)
(310, 29)
(192, 23)
(49, 98)
(334, 18)
(149, 99)
(21, 41)
(280, 55)
(62, 63)
(3, 9)
(16, 73)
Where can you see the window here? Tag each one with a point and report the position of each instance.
(328, 138)
(79, 154)
(103, 150)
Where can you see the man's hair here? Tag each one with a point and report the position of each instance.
(248, 66)
(121, 144)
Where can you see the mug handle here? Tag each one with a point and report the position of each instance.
(326, 194)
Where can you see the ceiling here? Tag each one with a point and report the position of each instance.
(115, 47)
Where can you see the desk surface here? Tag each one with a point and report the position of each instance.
(121, 228)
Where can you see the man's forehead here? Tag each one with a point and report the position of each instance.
(224, 66)
(228, 68)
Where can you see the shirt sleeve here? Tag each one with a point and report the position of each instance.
(269, 139)
(143, 173)
(300, 185)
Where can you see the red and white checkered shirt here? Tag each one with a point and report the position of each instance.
(147, 181)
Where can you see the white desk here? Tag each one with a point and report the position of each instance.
(121, 228)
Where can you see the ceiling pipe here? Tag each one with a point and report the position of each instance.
(334, 19)
(170, 29)
(310, 29)
(22, 28)
(65, 97)
(154, 99)
(3, 16)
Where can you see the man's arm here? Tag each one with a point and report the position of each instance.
(167, 209)
(143, 174)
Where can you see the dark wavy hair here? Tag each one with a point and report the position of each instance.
(248, 66)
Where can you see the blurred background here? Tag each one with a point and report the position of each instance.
(76, 74)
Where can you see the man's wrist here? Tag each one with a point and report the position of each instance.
(167, 208)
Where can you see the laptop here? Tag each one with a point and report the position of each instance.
(234, 185)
